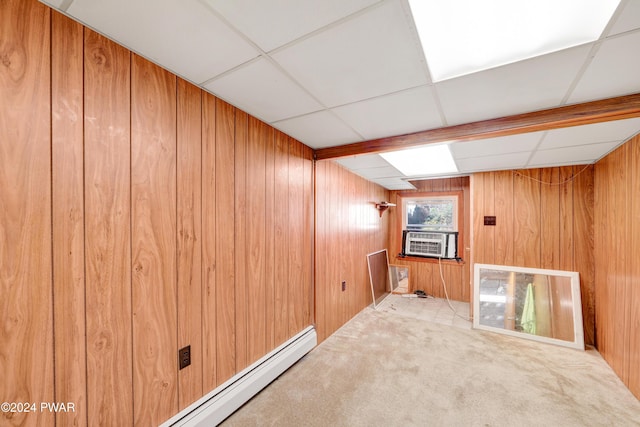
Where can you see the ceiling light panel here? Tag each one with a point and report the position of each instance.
(318, 130)
(422, 161)
(612, 72)
(525, 86)
(262, 90)
(371, 54)
(460, 37)
(363, 161)
(273, 23)
(184, 37)
(404, 112)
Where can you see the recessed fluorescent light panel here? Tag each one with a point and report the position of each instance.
(423, 161)
(465, 36)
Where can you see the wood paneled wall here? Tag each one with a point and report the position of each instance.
(425, 274)
(348, 227)
(544, 219)
(139, 215)
(617, 261)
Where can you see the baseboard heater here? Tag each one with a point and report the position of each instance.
(217, 405)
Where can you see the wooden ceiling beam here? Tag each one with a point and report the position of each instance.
(618, 108)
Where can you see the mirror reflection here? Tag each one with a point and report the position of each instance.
(542, 305)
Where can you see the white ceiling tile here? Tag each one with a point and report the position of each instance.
(184, 37)
(498, 162)
(525, 86)
(494, 146)
(273, 23)
(317, 130)
(404, 112)
(372, 54)
(262, 90)
(363, 161)
(612, 72)
(629, 19)
(54, 3)
(394, 184)
(618, 130)
(576, 154)
(383, 172)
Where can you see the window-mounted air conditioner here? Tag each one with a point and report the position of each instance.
(435, 244)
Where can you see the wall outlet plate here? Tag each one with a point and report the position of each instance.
(184, 357)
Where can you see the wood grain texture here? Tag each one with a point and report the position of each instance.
(503, 200)
(281, 238)
(189, 238)
(225, 236)
(240, 244)
(334, 204)
(307, 236)
(256, 329)
(527, 215)
(107, 231)
(550, 219)
(153, 242)
(67, 144)
(269, 210)
(26, 332)
(295, 300)
(618, 108)
(209, 327)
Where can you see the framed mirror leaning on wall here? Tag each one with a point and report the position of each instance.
(536, 304)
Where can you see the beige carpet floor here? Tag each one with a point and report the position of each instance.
(385, 369)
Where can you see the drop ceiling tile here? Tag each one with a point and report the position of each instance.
(317, 130)
(578, 154)
(383, 172)
(404, 112)
(612, 72)
(394, 184)
(489, 163)
(273, 23)
(262, 90)
(53, 3)
(371, 54)
(628, 20)
(524, 86)
(618, 130)
(495, 146)
(363, 161)
(184, 37)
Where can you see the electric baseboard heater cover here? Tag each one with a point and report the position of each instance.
(223, 401)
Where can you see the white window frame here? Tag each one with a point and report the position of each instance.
(452, 198)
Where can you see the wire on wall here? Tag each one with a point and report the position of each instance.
(566, 181)
(446, 294)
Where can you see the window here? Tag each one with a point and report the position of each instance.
(430, 213)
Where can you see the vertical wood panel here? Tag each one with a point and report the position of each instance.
(307, 237)
(189, 238)
(477, 200)
(26, 333)
(566, 220)
(153, 241)
(281, 237)
(269, 209)
(68, 217)
(527, 218)
(296, 229)
(488, 234)
(256, 292)
(107, 231)
(240, 246)
(225, 236)
(209, 344)
(504, 217)
(583, 244)
(550, 218)
(634, 271)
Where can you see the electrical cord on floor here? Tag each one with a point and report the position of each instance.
(446, 294)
